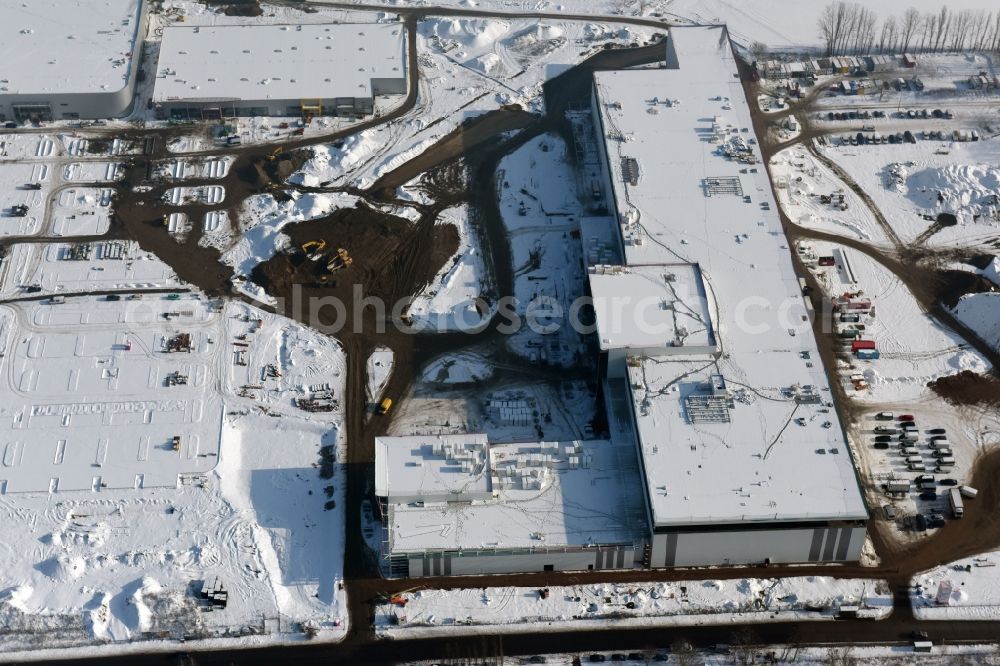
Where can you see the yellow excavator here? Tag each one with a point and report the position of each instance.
(274, 154)
(340, 260)
(313, 249)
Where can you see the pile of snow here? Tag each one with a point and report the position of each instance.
(332, 162)
(263, 218)
(992, 272)
(462, 368)
(488, 63)
(542, 32)
(962, 189)
(981, 313)
(143, 613)
(470, 32)
(17, 597)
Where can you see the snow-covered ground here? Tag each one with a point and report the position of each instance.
(14, 179)
(968, 589)
(378, 370)
(457, 368)
(696, 602)
(125, 558)
(449, 301)
(541, 209)
(913, 182)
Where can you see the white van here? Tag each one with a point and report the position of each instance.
(939, 444)
(947, 461)
(909, 451)
(917, 467)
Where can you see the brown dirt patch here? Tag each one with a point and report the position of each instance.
(968, 388)
(392, 258)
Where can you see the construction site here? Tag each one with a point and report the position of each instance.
(245, 281)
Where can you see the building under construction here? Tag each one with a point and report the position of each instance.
(207, 72)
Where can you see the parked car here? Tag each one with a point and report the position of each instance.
(883, 438)
(920, 523)
(906, 417)
(928, 496)
(936, 431)
(935, 520)
(948, 482)
(881, 445)
(884, 416)
(889, 430)
(889, 511)
(939, 438)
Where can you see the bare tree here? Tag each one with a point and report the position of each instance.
(908, 28)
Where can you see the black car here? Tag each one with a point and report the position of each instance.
(10, 124)
(883, 438)
(948, 482)
(938, 438)
(929, 496)
(935, 520)
(937, 431)
(920, 523)
(881, 445)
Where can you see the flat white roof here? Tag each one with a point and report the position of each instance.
(548, 494)
(258, 62)
(760, 454)
(67, 46)
(432, 468)
(652, 307)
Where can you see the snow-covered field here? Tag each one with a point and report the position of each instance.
(696, 602)
(125, 559)
(968, 589)
(911, 182)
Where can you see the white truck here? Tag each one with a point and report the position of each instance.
(955, 500)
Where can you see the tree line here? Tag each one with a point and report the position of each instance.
(849, 27)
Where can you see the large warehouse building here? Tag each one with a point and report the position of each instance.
(743, 456)
(458, 505)
(278, 70)
(720, 415)
(67, 59)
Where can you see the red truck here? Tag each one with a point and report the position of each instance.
(862, 344)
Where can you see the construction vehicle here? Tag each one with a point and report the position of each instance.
(385, 406)
(313, 249)
(274, 154)
(340, 260)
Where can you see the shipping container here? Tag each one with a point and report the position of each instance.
(862, 344)
(868, 354)
(968, 491)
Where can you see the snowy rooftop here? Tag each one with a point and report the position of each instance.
(548, 494)
(67, 46)
(255, 62)
(660, 309)
(752, 435)
(432, 468)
